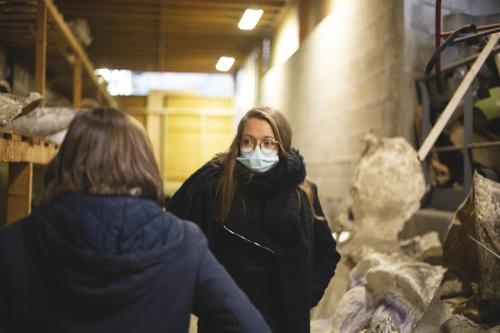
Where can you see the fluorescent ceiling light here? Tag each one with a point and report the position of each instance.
(119, 80)
(224, 64)
(342, 237)
(250, 18)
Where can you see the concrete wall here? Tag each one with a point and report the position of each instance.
(246, 87)
(285, 41)
(340, 84)
(355, 73)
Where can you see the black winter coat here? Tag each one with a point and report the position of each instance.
(86, 263)
(271, 245)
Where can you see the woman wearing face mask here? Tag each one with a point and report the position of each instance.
(263, 220)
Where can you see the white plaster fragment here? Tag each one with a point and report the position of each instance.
(387, 187)
(44, 121)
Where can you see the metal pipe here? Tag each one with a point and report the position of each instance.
(474, 36)
(479, 145)
(479, 28)
(468, 132)
(437, 35)
(455, 65)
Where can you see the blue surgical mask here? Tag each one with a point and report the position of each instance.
(257, 161)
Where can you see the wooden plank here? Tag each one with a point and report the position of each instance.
(161, 38)
(77, 83)
(9, 134)
(192, 45)
(41, 48)
(25, 147)
(34, 150)
(19, 191)
(148, 36)
(457, 98)
(303, 11)
(170, 17)
(84, 10)
(176, 4)
(80, 53)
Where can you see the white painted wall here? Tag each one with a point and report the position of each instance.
(246, 85)
(286, 38)
(340, 84)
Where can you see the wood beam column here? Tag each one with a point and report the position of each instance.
(19, 191)
(77, 83)
(303, 7)
(41, 47)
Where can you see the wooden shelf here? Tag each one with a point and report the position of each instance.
(46, 8)
(21, 151)
(41, 37)
(22, 147)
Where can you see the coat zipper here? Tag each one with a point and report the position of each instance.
(287, 296)
(248, 241)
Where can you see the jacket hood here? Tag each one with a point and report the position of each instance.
(101, 251)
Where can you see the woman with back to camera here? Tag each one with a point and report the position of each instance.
(103, 256)
(263, 221)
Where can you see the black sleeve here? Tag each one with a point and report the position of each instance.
(221, 304)
(182, 203)
(4, 309)
(325, 256)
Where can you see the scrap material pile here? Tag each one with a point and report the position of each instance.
(27, 116)
(414, 284)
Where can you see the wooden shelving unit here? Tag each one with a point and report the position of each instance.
(20, 150)
(78, 59)
(22, 147)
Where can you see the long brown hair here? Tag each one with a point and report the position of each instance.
(104, 152)
(227, 185)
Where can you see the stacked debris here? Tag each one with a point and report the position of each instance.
(387, 187)
(81, 30)
(386, 326)
(12, 106)
(471, 253)
(386, 286)
(51, 123)
(390, 289)
(397, 285)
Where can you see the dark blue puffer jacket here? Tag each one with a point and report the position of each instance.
(88, 263)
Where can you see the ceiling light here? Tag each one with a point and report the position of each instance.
(342, 237)
(250, 18)
(224, 64)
